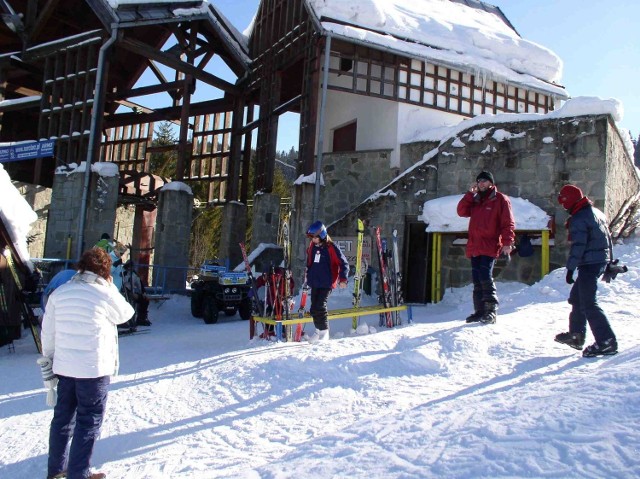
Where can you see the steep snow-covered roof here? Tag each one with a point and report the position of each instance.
(465, 34)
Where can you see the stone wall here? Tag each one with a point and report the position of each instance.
(123, 230)
(530, 160)
(349, 178)
(620, 174)
(64, 212)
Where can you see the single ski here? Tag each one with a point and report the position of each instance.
(255, 299)
(397, 278)
(303, 304)
(286, 300)
(357, 278)
(385, 291)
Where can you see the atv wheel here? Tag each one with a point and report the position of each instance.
(210, 311)
(197, 300)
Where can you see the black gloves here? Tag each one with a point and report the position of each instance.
(570, 276)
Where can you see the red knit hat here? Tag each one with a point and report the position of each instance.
(569, 195)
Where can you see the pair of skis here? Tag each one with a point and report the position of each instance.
(255, 299)
(281, 293)
(357, 278)
(390, 294)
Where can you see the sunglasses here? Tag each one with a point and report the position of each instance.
(482, 181)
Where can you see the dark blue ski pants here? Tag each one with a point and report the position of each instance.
(584, 304)
(79, 413)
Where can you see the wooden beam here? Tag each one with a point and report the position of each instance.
(157, 72)
(169, 60)
(43, 17)
(171, 113)
(145, 90)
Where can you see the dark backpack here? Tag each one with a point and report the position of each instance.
(525, 248)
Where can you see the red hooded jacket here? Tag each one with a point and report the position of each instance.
(491, 224)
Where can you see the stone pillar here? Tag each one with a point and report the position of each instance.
(173, 234)
(64, 212)
(232, 232)
(266, 219)
(301, 218)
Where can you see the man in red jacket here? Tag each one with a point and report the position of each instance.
(491, 233)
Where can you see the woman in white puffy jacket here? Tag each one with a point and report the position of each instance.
(80, 335)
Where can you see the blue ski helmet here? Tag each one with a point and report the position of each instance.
(317, 229)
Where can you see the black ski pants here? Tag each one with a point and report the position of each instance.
(484, 288)
(318, 309)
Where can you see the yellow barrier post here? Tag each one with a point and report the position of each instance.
(439, 268)
(68, 247)
(545, 253)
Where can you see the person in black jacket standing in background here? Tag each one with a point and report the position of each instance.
(589, 254)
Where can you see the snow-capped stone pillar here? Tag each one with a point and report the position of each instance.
(266, 219)
(301, 218)
(173, 234)
(64, 211)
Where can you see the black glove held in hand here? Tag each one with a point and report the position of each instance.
(570, 276)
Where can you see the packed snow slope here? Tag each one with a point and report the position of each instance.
(437, 398)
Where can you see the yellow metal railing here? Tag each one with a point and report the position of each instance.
(436, 262)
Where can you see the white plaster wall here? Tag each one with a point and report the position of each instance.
(382, 124)
(377, 122)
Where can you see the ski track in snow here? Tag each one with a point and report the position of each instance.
(435, 399)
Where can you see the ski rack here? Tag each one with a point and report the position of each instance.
(333, 314)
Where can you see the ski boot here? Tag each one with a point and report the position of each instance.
(606, 348)
(575, 340)
(489, 315)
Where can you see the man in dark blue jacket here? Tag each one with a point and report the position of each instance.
(589, 254)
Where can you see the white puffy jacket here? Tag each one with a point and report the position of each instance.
(79, 328)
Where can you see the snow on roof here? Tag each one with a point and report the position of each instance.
(448, 32)
(579, 106)
(185, 8)
(16, 214)
(235, 39)
(441, 215)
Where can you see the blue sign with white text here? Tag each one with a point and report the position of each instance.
(26, 151)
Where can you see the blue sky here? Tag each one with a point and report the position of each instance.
(598, 43)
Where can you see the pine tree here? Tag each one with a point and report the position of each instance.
(164, 163)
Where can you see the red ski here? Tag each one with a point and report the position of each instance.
(385, 294)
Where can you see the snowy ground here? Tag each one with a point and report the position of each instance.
(434, 399)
